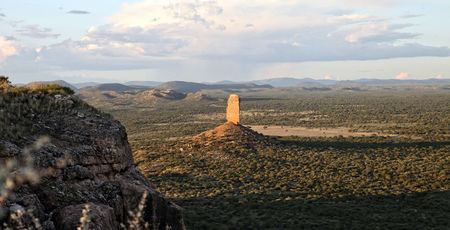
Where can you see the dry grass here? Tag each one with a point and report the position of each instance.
(135, 219)
(85, 219)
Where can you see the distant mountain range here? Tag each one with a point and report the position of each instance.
(185, 87)
(293, 82)
(309, 82)
(381, 82)
(110, 87)
(128, 83)
(85, 84)
(143, 83)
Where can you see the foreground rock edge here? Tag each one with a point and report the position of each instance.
(99, 168)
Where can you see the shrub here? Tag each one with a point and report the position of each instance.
(4, 82)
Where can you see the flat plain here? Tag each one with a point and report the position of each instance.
(350, 159)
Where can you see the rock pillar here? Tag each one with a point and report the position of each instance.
(233, 109)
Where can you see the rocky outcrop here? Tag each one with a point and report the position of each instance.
(97, 167)
(158, 94)
(233, 109)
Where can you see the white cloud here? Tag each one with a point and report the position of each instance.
(132, 41)
(280, 31)
(411, 16)
(6, 48)
(36, 31)
(365, 31)
(152, 13)
(402, 76)
(378, 32)
(171, 35)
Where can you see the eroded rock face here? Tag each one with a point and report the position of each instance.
(233, 109)
(98, 170)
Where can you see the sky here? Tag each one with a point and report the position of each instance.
(214, 40)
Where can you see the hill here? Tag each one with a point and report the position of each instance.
(282, 82)
(154, 94)
(57, 82)
(85, 84)
(110, 87)
(143, 83)
(110, 95)
(230, 136)
(295, 82)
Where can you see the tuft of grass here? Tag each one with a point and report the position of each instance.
(85, 219)
(135, 218)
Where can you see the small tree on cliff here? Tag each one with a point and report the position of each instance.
(4, 82)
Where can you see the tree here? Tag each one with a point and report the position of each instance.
(4, 82)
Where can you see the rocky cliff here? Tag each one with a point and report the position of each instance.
(87, 161)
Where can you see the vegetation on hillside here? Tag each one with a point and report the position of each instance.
(21, 107)
(39, 88)
(306, 182)
(312, 183)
